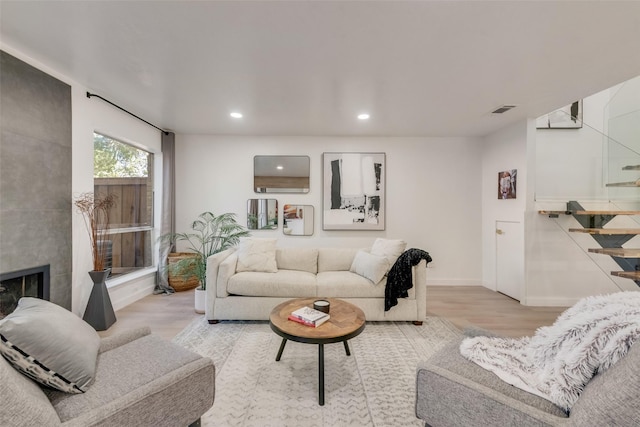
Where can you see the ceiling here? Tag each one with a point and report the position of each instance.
(419, 68)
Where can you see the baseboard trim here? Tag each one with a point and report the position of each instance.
(130, 299)
(128, 293)
(453, 282)
(550, 302)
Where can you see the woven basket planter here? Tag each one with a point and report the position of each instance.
(180, 282)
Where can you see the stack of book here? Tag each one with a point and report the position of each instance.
(309, 316)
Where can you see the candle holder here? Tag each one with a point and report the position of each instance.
(322, 305)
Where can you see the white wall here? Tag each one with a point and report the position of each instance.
(433, 192)
(503, 150)
(622, 125)
(560, 270)
(570, 161)
(89, 115)
(623, 113)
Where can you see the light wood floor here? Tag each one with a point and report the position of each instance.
(462, 305)
(479, 306)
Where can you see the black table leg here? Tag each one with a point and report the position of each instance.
(346, 348)
(284, 341)
(321, 374)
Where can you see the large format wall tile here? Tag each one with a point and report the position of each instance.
(35, 174)
(34, 103)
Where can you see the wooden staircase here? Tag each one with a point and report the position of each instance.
(618, 252)
(610, 239)
(608, 231)
(635, 183)
(633, 275)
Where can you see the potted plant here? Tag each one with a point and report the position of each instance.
(95, 213)
(210, 234)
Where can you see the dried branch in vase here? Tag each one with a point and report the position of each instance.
(95, 212)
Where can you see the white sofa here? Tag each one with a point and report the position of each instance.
(304, 273)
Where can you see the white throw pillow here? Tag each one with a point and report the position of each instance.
(372, 267)
(50, 345)
(388, 248)
(257, 255)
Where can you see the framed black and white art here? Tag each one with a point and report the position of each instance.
(567, 117)
(353, 191)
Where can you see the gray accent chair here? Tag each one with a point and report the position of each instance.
(452, 391)
(140, 380)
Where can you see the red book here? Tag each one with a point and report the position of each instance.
(311, 315)
(296, 319)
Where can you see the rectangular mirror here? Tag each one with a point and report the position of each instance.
(297, 220)
(281, 174)
(262, 214)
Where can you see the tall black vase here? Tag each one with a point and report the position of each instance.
(99, 312)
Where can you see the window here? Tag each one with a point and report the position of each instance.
(127, 172)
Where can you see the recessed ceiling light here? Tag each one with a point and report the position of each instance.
(236, 115)
(279, 167)
(363, 116)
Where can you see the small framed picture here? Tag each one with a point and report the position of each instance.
(507, 184)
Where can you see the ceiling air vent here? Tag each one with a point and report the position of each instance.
(503, 109)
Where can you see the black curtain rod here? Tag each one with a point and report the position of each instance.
(89, 95)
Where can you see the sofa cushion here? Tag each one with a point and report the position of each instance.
(369, 266)
(450, 359)
(50, 344)
(335, 259)
(611, 398)
(345, 284)
(301, 259)
(120, 375)
(23, 403)
(226, 270)
(257, 255)
(283, 283)
(388, 248)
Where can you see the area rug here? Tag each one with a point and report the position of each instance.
(375, 386)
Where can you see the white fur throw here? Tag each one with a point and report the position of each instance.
(559, 360)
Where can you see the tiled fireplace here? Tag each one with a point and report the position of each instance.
(30, 282)
(35, 181)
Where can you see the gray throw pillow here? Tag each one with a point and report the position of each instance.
(50, 345)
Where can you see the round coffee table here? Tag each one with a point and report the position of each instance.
(347, 321)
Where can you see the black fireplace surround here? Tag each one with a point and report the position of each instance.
(30, 282)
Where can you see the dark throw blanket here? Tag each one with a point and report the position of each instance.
(399, 277)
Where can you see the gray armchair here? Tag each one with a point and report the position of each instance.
(140, 380)
(452, 391)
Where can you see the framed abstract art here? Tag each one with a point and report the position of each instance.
(353, 191)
